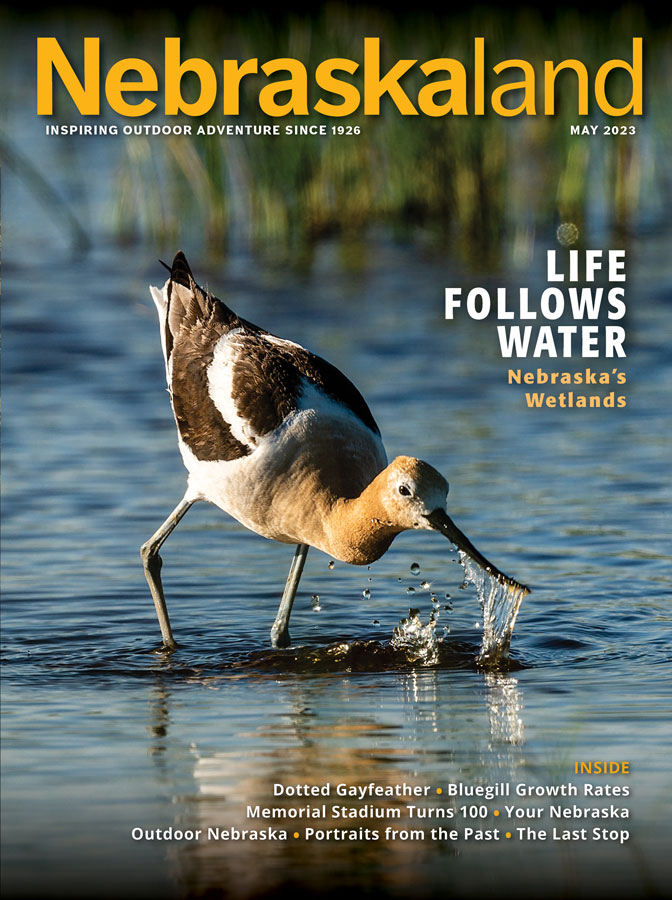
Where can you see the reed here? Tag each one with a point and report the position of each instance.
(480, 184)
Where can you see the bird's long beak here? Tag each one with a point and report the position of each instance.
(441, 521)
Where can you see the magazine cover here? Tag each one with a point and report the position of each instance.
(336, 451)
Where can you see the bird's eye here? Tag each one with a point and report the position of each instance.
(404, 490)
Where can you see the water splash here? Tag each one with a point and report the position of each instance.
(418, 641)
(500, 600)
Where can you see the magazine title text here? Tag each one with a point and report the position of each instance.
(133, 86)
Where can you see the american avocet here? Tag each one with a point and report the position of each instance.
(282, 441)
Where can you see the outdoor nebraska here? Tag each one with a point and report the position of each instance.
(131, 85)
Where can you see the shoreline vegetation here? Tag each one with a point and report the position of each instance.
(478, 183)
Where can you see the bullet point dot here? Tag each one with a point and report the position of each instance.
(439, 790)
(508, 834)
(296, 834)
(496, 812)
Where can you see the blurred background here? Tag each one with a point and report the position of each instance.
(481, 186)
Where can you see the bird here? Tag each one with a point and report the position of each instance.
(283, 442)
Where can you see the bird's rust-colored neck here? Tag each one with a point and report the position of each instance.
(360, 530)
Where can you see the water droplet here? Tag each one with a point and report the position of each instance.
(425, 585)
(375, 622)
(410, 590)
(415, 569)
(447, 596)
(366, 593)
(331, 564)
(315, 601)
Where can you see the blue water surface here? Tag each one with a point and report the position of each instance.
(103, 735)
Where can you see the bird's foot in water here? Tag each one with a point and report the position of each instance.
(280, 639)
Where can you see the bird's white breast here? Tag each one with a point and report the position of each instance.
(280, 489)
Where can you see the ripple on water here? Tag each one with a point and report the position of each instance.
(412, 645)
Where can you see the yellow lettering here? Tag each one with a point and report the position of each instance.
(115, 86)
(375, 86)
(233, 75)
(550, 71)
(449, 93)
(479, 76)
(636, 73)
(325, 79)
(175, 69)
(527, 85)
(296, 84)
(456, 84)
(50, 56)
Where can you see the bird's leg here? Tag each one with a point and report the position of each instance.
(280, 630)
(152, 565)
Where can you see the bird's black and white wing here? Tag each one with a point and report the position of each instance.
(232, 384)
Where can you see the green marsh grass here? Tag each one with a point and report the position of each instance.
(475, 183)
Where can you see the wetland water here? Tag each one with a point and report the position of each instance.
(101, 735)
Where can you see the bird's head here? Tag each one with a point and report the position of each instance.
(415, 496)
(413, 491)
